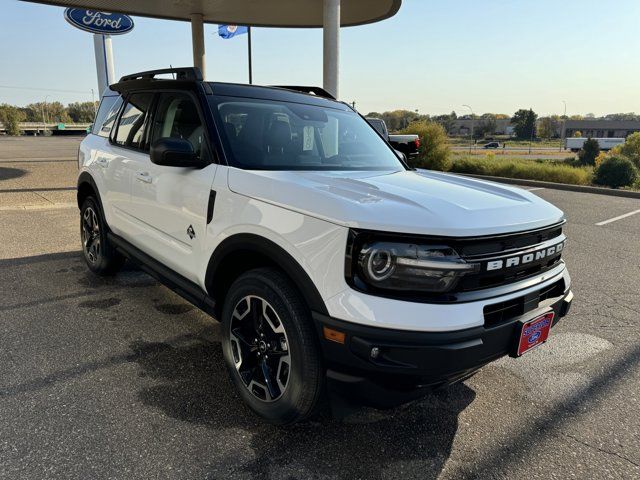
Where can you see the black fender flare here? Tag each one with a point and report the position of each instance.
(277, 255)
(86, 178)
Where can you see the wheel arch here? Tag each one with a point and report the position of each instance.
(244, 251)
(87, 186)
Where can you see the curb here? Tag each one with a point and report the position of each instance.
(558, 186)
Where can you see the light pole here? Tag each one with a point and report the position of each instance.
(93, 103)
(471, 134)
(46, 108)
(564, 125)
(533, 129)
(44, 120)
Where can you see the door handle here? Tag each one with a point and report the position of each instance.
(144, 177)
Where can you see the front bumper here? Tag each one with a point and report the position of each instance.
(410, 363)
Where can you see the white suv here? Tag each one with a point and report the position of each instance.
(333, 266)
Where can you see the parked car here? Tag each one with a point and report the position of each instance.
(408, 144)
(575, 143)
(491, 145)
(333, 267)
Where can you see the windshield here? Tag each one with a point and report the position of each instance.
(276, 135)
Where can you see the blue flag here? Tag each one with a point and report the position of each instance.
(230, 31)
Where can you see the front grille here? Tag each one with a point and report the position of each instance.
(488, 280)
(488, 246)
(503, 248)
(498, 313)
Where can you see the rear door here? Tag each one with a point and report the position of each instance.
(127, 146)
(169, 204)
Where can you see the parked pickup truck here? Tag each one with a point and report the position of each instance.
(407, 144)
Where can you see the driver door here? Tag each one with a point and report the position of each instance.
(170, 203)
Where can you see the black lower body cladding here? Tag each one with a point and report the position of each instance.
(385, 368)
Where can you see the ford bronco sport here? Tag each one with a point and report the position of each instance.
(334, 268)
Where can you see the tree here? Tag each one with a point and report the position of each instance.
(399, 119)
(616, 171)
(524, 123)
(11, 117)
(577, 134)
(548, 127)
(53, 112)
(630, 149)
(81, 112)
(590, 150)
(486, 126)
(434, 150)
(447, 121)
(623, 116)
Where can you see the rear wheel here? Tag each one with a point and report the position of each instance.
(270, 347)
(100, 255)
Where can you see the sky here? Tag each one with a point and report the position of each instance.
(434, 55)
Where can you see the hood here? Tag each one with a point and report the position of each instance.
(419, 202)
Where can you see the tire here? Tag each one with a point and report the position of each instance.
(263, 303)
(101, 257)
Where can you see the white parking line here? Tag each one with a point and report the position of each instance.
(22, 208)
(619, 217)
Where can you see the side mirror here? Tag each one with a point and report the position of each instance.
(174, 152)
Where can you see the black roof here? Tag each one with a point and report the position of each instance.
(191, 78)
(273, 93)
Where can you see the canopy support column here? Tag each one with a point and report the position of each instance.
(104, 61)
(331, 46)
(197, 40)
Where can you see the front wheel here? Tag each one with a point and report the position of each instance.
(270, 347)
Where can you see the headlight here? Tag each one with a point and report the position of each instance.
(410, 266)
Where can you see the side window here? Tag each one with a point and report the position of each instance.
(132, 121)
(177, 117)
(106, 117)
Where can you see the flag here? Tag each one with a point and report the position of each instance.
(230, 31)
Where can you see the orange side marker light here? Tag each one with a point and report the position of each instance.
(333, 335)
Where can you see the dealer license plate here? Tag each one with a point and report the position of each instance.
(534, 332)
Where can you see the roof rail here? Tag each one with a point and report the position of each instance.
(317, 91)
(181, 73)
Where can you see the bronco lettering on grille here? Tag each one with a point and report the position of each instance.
(522, 259)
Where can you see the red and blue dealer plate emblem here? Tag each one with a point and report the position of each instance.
(534, 332)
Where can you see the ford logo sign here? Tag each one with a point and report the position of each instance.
(99, 22)
(533, 338)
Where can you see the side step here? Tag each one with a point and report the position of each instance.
(172, 280)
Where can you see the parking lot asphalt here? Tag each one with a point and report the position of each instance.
(121, 378)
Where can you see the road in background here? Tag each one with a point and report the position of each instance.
(37, 171)
(519, 152)
(121, 378)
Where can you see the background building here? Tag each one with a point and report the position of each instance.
(462, 126)
(602, 128)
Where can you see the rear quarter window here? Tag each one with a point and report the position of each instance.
(106, 116)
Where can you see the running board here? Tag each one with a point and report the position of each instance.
(172, 280)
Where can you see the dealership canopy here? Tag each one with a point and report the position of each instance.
(329, 14)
